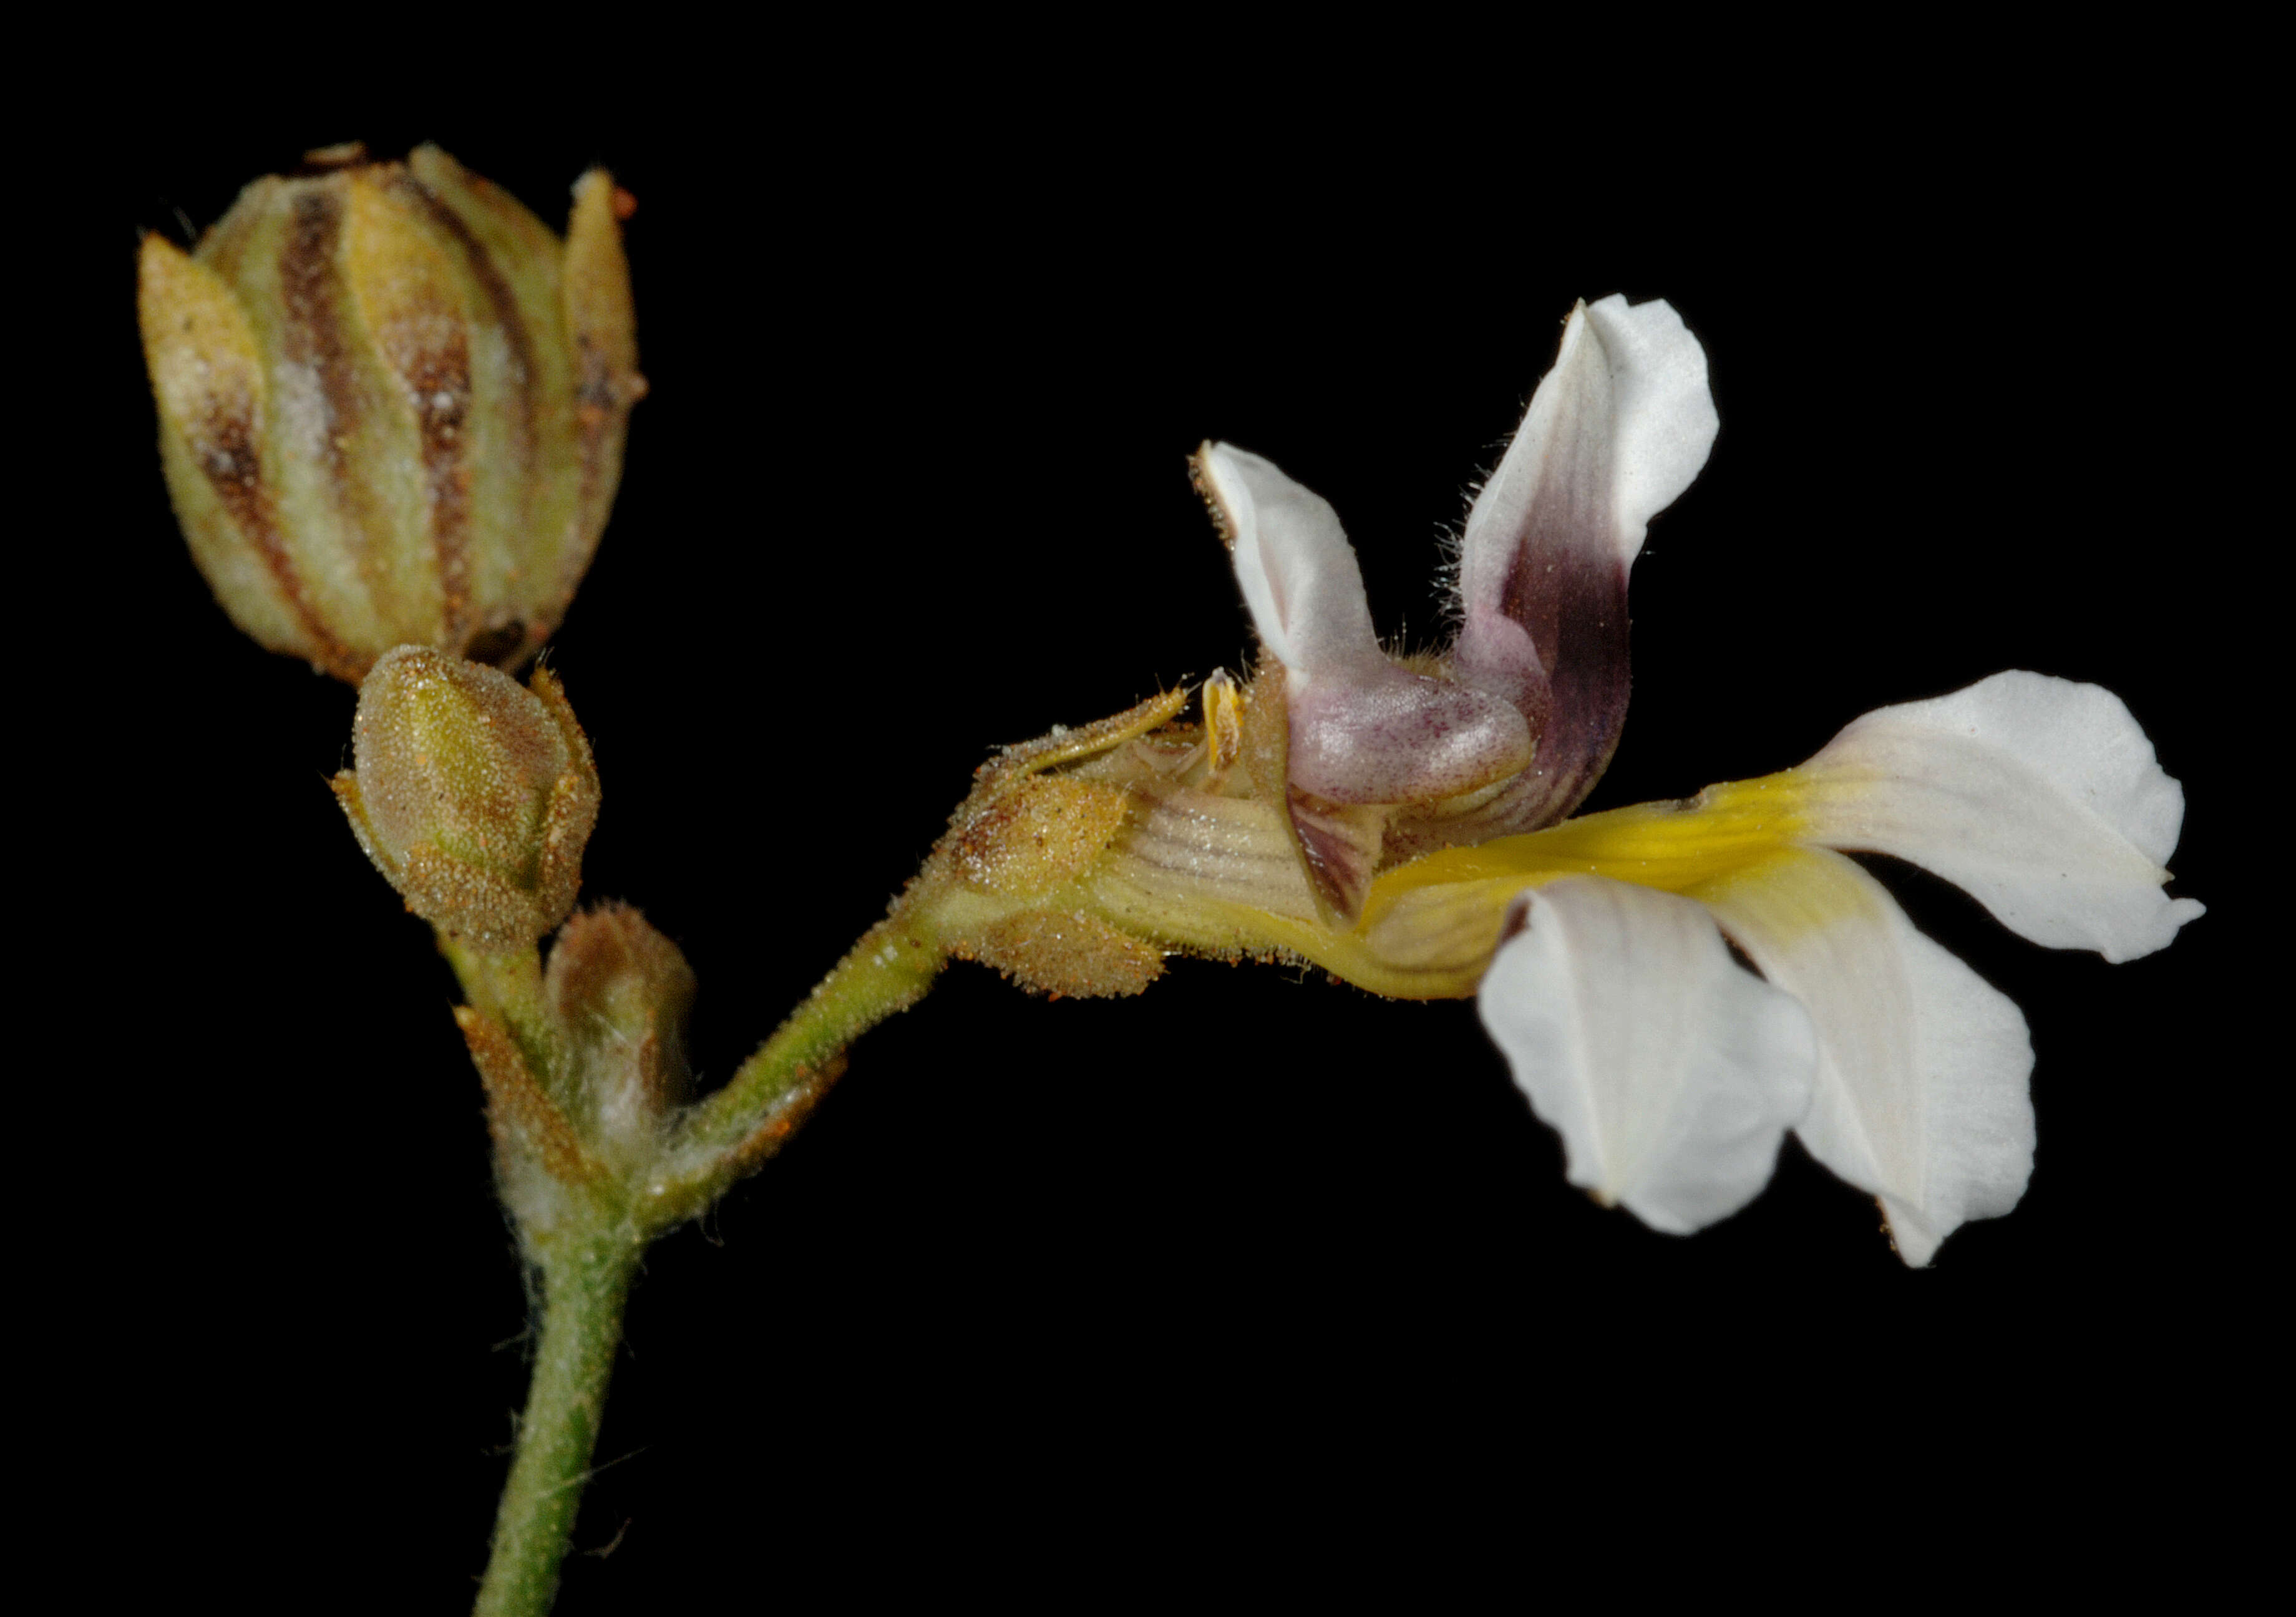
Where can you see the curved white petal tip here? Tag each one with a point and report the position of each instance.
(1663, 407)
(1618, 428)
(1923, 1094)
(2039, 796)
(1671, 1072)
(1292, 561)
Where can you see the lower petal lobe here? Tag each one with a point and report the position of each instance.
(1922, 1067)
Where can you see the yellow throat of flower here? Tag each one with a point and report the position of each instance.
(1083, 859)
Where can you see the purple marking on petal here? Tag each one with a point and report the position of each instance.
(1378, 734)
(1617, 430)
(1341, 846)
(1581, 705)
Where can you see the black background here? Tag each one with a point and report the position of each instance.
(910, 484)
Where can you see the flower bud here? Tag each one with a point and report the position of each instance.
(619, 992)
(1029, 838)
(471, 794)
(392, 405)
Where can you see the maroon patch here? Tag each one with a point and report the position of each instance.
(1341, 845)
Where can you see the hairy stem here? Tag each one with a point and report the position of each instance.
(728, 1135)
(585, 1283)
(587, 1262)
(508, 987)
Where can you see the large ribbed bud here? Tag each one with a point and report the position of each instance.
(472, 794)
(392, 405)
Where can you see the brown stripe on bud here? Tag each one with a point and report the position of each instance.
(314, 336)
(314, 329)
(527, 523)
(411, 307)
(422, 428)
(207, 375)
(508, 421)
(504, 304)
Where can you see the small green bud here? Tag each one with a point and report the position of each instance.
(619, 992)
(472, 795)
(392, 405)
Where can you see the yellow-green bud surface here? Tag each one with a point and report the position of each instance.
(472, 794)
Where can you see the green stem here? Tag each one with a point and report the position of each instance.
(727, 1136)
(508, 987)
(585, 1284)
(587, 1270)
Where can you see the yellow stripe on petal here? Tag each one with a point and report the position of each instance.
(1429, 928)
(1201, 873)
(1794, 891)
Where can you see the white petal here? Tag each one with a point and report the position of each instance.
(1297, 569)
(1617, 430)
(1363, 729)
(2040, 797)
(1922, 1067)
(1560, 460)
(1623, 422)
(1671, 1072)
(1663, 409)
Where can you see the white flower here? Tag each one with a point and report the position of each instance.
(1672, 1073)
(1426, 801)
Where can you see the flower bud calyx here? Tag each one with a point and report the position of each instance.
(392, 405)
(472, 794)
